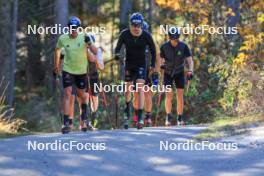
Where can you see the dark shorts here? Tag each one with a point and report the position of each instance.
(178, 79)
(69, 79)
(92, 84)
(132, 74)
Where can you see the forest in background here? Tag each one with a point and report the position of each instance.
(229, 69)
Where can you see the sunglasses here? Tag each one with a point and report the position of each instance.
(136, 25)
(73, 27)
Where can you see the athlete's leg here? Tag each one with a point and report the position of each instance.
(93, 82)
(128, 99)
(66, 101)
(67, 85)
(135, 106)
(129, 89)
(82, 98)
(180, 101)
(135, 100)
(72, 103)
(140, 83)
(148, 101)
(179, 81)
(71, 114)
(148, 108)
(94, 103)
(141, 100)
(168, 99)
(81, 83)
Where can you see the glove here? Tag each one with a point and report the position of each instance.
(87, 39)
(56, 71)
(189, 75)
(117, 57)
(163, 66)
(55, 75)
(155, 79)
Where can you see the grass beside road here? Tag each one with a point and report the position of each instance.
(12, 128)
(229, 126)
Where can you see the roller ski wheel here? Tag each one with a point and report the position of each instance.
(168, 121)
(140, 125)
(126, 125)
(71, 125)
(135, 121)
(181, 123)
(90, 126)
(148, 122)
(83, 126)
(65, 129)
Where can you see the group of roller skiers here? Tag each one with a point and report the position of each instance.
(78, 60)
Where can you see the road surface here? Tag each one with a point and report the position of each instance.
(127, 153)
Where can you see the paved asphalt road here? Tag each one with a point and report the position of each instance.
(127, 153)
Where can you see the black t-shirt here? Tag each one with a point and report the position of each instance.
(174, 56)
(136, 48)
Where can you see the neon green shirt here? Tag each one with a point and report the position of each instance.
(75, 58)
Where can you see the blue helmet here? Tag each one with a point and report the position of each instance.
(145, 26)
(174, 33)
(74, 21)
(136, 18)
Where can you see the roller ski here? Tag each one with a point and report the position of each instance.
(168, 121)
(140, 124)
(180, 121)
(127, 116)
(65, 129)
(126, 124)
(134, 121)
(148, 121)
(86, 125)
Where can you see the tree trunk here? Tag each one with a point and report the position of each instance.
(62, 12)
(234, 5)
(150, 14)
(232, 21)
(125, 6)
(61, 17)
(5, 51)
(13, 55)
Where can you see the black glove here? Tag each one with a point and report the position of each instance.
(117, 57)
(87, 39)
(155, 78)
(189, 75)
(163, 66)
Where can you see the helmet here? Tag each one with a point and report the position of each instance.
(145, 26)
(136, 18)
(174, 33)
(74, 22)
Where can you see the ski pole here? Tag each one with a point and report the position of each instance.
(57, 83)
(158, 109)
(188, 85)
